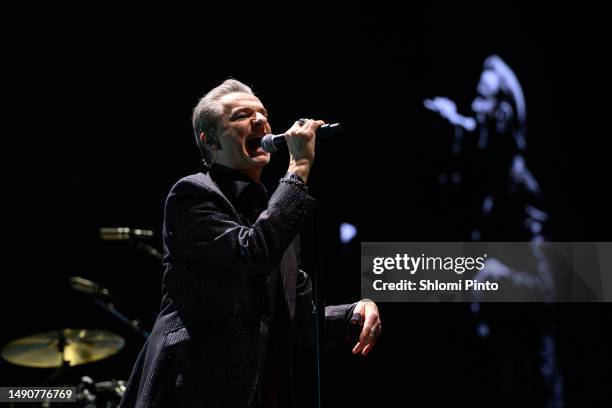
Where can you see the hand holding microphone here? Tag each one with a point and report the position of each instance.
(300, 140)
(271, 142)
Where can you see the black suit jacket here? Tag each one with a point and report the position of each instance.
(209, 344)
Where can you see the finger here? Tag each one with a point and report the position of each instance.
(359, 347)
(295, 131)
(363, 339)
(375, 334)
(309, 125)
(367, 335)
(366, 348)
(371, 343)
(297, 125)
(370, 319)
(301, 127)
(316, 124)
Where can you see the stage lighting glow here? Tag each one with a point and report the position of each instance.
(347, 232)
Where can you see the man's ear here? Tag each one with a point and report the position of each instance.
(209, 141)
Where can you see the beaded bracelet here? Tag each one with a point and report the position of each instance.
(295, 180)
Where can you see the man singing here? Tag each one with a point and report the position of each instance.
(235, 303)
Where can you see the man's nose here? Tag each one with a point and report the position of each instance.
(260, 119)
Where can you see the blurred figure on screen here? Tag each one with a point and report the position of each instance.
(490, 182)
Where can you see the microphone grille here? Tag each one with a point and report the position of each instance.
(267, 143)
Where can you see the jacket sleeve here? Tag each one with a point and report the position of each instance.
(338, 329)
(201, 225)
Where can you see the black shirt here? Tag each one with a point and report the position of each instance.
(250, 199)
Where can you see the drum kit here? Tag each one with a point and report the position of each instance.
(68, 347)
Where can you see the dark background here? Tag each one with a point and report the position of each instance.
(98, 102)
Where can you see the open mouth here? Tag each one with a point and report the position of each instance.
(253, 144)
(253, 147)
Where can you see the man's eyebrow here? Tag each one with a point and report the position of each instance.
(242, 108)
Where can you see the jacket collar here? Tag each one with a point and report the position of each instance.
(248, 197)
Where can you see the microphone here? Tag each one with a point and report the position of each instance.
(132, 236)
(90, 287)
(124, 233)
(102, 297)
(271, 142)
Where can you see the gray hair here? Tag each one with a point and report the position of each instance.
(208, 110)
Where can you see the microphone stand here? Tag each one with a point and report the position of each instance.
(134, 237)
(132, 324)
(319, 328)
(146, 248)
(106, 301)
(58, 372)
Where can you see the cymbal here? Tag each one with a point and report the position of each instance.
(50, 349)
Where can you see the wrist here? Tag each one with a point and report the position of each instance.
(294, 179)
(300, 168)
